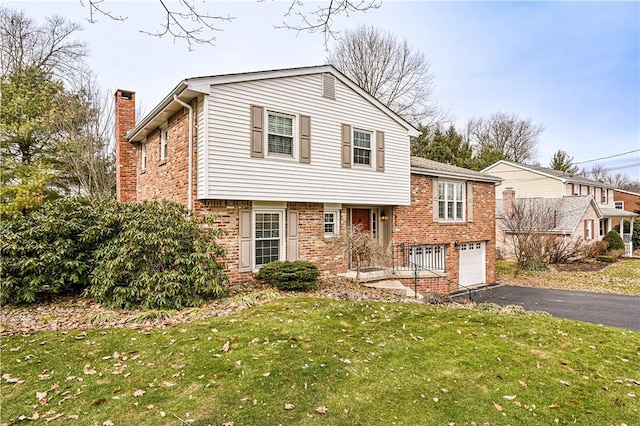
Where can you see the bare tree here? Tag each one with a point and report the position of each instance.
(516, 138)
(87, 154)
(192, 23)
(360, 246)
(528, 226)
(50, 47)
(389, 69)
(596, 172)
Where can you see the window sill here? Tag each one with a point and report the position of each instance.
(451, 222)
(162, 162)
(143, 171)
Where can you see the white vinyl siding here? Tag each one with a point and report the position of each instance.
(202, 108)
(527, 184)
(234, 175)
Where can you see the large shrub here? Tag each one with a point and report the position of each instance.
(290, 275)
(614, 239)
(160, 257)
(48, 252)
(635, 235)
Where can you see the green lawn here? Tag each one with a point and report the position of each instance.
(335, 362)
(622, 277)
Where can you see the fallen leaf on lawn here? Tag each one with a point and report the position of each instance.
(116, 390)
(107, 423)
(267, 374)
(633, 381)
(322, 409)
(99, 401)
(509, 397)
(289, 406)
(177, 366)
(498, 407)
(562, 382)
(523, 383)
(518, 403)
(444, 390)
(57, 416)
(162, 413)
(225, 347)
(554, 405)
(88, 370)
(139, 392)
(167, 384)
(227, 424)
(7, 377)
(41, 395)
(73, 417)
(150, 407)
(436, 399)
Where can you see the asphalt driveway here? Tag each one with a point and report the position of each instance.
(607, 309)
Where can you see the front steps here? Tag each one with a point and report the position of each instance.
(386, 279)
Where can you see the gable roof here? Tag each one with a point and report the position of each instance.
(191, 87)
(423, 166)
(551, 173)
(570, 210)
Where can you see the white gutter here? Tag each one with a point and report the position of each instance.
(190, 174)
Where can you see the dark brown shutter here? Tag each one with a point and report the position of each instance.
(305, 139)
(434, 184)
(346, 146)
(292, 235)
(380, 151)
(469, 201)
(257, 131)
(586, 223)
(244, 249)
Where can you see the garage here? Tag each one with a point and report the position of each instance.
(472, 263)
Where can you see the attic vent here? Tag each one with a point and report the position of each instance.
(328, 86)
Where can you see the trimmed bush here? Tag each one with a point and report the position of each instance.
(614, 239)
(50, 251)
(606, 259)
(161, 257)
(297, 275)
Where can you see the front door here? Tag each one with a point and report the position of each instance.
(361, 218)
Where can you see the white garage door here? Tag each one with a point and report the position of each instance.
(472, 263)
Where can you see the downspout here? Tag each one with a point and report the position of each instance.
(190, 173)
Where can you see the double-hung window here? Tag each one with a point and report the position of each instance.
(280, 134)
(619, 205)
(143, 156)
(267, 237)
(451, 201)
(362, 147)
(164, 144)
(331, 223)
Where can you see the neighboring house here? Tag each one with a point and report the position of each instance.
(625, 200)
(286, 160)
(534, 182)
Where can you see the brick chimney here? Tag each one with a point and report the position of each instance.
(508, 201)
(125, 110)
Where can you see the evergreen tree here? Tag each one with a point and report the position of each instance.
(445, 147)
(563, 162)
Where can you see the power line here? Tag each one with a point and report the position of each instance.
(610, 156)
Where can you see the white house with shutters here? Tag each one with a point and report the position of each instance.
(286, 160)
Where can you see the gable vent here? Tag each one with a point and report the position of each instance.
(328, 86)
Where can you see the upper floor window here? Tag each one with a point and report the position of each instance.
(588, 229)
(619, 205)
(604, 192)
(450, 201)
(280, 134)
(362, 147)
(164, 144)
(143, 156)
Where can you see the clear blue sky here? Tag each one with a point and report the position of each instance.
(573, 67)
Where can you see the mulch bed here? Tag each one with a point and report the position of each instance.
(73, 313)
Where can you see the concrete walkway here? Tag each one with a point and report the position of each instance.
(608, 309)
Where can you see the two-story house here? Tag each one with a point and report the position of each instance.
(583, 208)
(287, 160)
